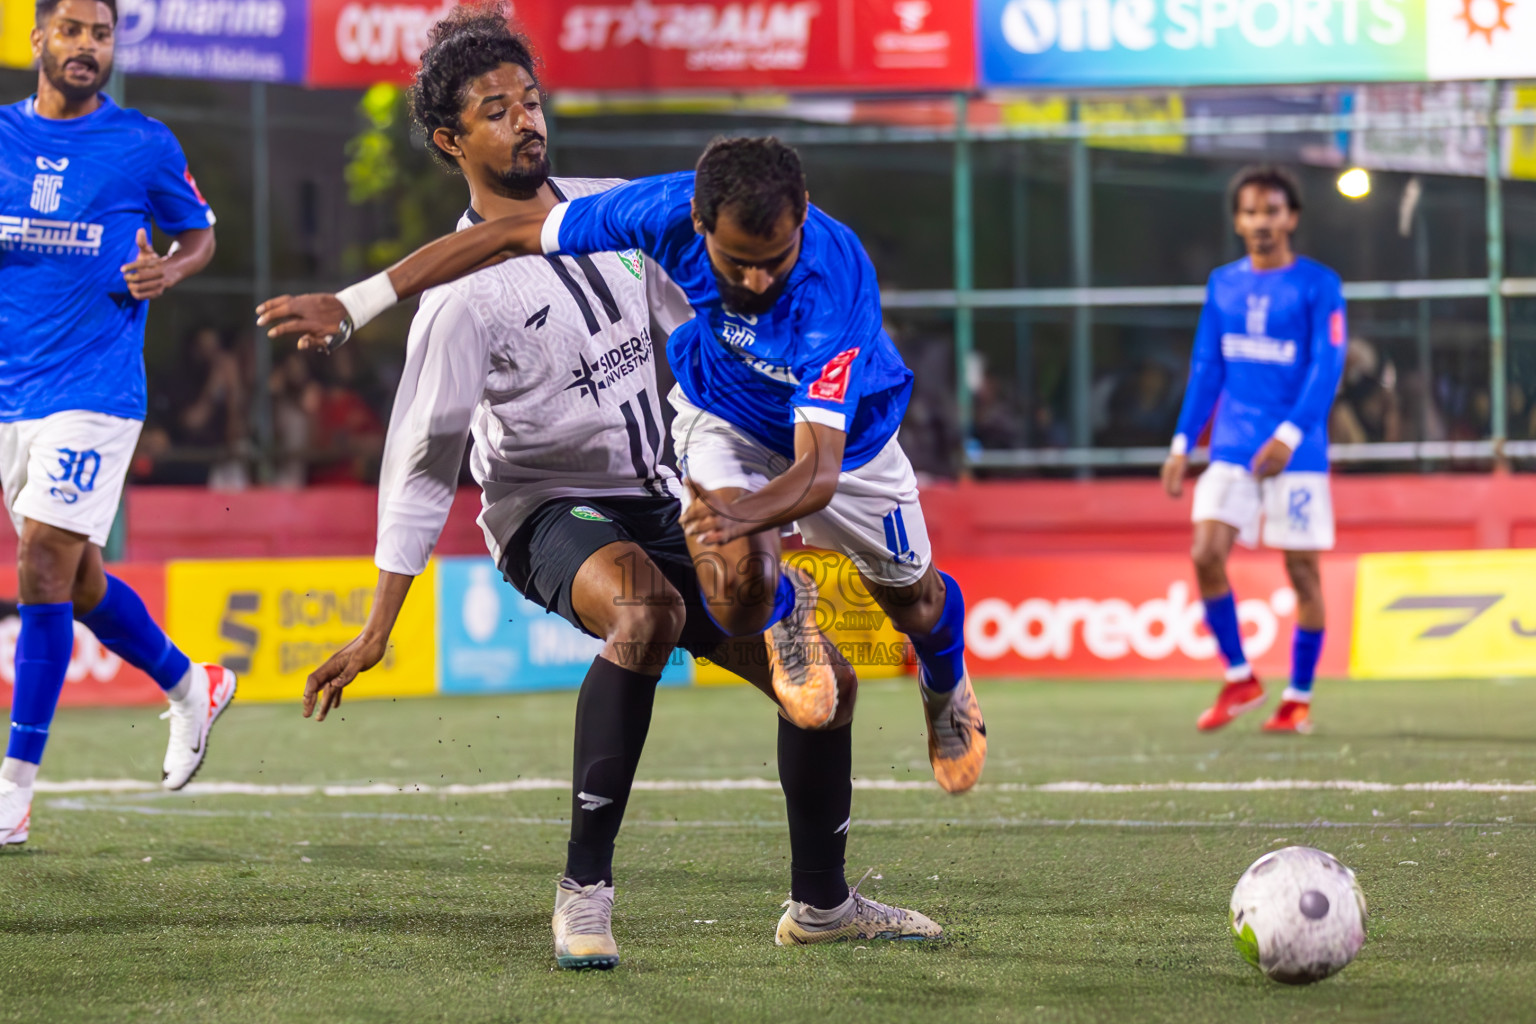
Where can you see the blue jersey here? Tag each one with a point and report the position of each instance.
(1268, 355)
(821, 354)
(73, 195)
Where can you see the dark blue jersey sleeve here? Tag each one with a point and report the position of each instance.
(1327, 335)
(1207, 373)
(175, 204)
(638, 214)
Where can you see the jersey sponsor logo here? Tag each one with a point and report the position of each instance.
(633, 260)
(1245, 348)
(590, 514)
(611, 366)
(1258, 315)
(33, 234)
(538, 320)
(46, 189)
(1336, 328)
(832, 385)
(737, 335)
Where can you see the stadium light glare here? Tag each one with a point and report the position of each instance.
(1355, 183)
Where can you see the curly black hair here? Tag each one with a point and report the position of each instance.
(471, 40)
(757, 178)
(45, 9)
(1266, 176)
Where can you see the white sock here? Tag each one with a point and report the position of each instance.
(1297, 695)
(22, 773)
(181, 689)
(1237, 673)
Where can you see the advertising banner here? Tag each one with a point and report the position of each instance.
(1237, 42)
(95, 676)
(16, 20)
(491, 639)
(1446, 615)
(360, 42)
(273, 622)
(245, 40)
(848, 616)
(634, 45)
(1134, 616)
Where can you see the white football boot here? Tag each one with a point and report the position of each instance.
(859, 917)
(583, 924)
(15, 812)
(192, 718)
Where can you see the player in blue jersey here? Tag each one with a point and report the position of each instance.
(1268, 354)
(788, 400)
(81, 180)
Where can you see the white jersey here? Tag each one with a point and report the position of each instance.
(547, 363)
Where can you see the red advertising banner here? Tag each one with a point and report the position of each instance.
(1136, 616)
(643, 45)
(96, 675)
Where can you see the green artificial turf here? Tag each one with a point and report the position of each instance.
(1058, 905)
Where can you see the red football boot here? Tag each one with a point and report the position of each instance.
(1293, 716)
(1233, 700)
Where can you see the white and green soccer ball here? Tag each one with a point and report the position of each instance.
(1298, 915)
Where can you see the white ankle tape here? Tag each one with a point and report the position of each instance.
(367, 299)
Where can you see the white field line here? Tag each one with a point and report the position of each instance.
(1000, 821)
(772, 785)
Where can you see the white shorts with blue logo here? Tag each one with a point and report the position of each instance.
(67, 470)
(1295, 509)
(874, 518)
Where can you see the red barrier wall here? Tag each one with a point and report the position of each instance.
(982, 520)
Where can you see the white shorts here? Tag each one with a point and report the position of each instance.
(874, 518)
(67, 470)
(1296, 508)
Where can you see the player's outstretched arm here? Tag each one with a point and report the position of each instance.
(365, 651)
(807, 486)
(318, 317)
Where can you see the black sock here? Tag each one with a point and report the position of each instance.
(613, 714)
(816, 771)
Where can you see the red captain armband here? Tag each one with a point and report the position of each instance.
(1336, 327)
(832, 385)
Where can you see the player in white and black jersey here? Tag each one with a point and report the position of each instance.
(546, 363)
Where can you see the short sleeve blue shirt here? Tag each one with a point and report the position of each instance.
(73, 195)
(821, 353)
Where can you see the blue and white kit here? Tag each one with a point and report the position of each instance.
(1267, 359)
(744, 382)
(73, 195)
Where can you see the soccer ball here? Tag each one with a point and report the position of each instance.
(1298, 915)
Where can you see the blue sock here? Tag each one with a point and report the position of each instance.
(42, 657)
(942, 652)
(122, 624)
(1306, 648)
(783, 604)
(1221, 618)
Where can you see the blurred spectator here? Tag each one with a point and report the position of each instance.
(295, 405)
(1367, 409)
(348, 436)
(996, 420)
(196, 429)
(1421, 419)
(1143, 407)
(930, 431)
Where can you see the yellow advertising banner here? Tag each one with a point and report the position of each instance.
(1445, 614)
(1520, 144)
(273, 622)
(16, 20)
(847, 615)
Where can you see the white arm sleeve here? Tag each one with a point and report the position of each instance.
(443, 380)
(668, 304)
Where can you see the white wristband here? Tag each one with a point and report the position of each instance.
(1288, 434)
(367, 299)
(1180, 445)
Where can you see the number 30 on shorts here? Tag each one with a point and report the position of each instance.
(77, 468)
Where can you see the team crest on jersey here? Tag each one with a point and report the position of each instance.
(633, 260)
(590, 514)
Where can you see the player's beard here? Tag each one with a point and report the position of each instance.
(524, 178)
(738, 299)
(53, 70)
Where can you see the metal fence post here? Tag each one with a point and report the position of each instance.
(965, 327)
(1081, 213)
(1497, 390)
(261, 277)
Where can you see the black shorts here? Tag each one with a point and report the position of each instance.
(549, 549)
